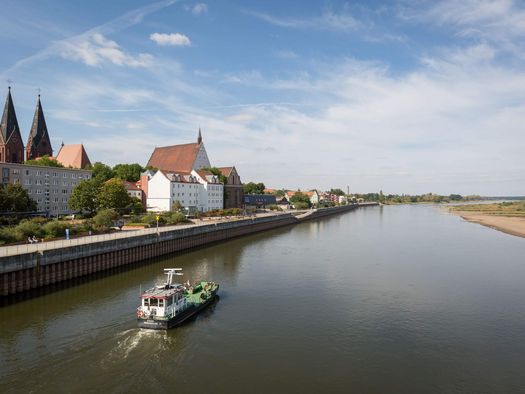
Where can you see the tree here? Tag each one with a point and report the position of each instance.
(135, 206)
(128, 172)
(215, 171)
(337, 192)
(101, 172)
(177, 206)
(14, 198)
(254, 188)
(84, 196)
(113, 194)
(104, 219)
(300, 199)
(44, 161)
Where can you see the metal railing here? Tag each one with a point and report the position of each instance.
(12, 250)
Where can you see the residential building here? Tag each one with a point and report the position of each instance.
(212, 192)
(49, 187)
(194, 191)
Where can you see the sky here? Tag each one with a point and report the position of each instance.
(400, 96)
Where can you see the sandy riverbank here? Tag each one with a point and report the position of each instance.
(507, 224)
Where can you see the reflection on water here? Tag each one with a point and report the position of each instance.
(385, 299)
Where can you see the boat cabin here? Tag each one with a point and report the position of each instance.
(163, 302)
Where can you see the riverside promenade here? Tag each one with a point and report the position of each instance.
(31, 266)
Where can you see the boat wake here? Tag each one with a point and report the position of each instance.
(139, 340)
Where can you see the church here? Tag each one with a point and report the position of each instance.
(183, 177)
(38, 144)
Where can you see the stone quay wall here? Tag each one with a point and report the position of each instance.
(26, 271)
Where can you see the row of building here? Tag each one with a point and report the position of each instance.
(182, 176)
(49, 187)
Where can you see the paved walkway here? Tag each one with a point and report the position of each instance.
(41, 246)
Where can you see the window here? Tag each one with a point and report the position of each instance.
(16, 171)
(65, 175)
(39, 173)
(5, 172)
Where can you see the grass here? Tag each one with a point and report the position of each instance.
(516, 208)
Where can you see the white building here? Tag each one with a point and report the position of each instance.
(195, 192)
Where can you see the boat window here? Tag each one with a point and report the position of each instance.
(161, 303)
(153, 302)
(145, 301)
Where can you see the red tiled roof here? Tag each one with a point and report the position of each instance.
(225, 170)
(175, 157)
(73, 155)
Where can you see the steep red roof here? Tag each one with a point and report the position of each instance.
(225, 170)
(73, 155)
(175, 157)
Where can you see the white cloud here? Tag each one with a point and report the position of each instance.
(95, 50)
(199, 8)
(328, 20)
(173, 39)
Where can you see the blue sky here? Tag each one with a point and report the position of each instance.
(403, 96)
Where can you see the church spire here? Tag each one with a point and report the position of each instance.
(38, 143)
(11, 146)
(199, 138)
(9, 124)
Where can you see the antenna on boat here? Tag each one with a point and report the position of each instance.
(170, 272)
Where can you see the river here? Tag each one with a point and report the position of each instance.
(381, 299)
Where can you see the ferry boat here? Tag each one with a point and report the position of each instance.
(168, 305)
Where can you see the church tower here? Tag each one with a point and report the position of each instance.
(38, 143)
(11, 145)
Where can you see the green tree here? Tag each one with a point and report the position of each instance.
(177, 206)
(128, 172)
(300, 199)
(104, 219)
(337, 192)
(215, 171)
(113, 194)
(14, 198)
(101, 172)
(84, 196)
(44, 161)
(254, 188)
(135, 206)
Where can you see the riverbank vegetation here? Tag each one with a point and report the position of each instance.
(412, 199)
(515, 208)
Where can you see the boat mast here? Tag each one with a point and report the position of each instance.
(170, 272)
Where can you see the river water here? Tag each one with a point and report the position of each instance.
(382, 299)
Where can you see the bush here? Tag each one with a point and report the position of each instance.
(175, 218)
(7, 235)
(29, 228)
(54, 229)
(151, 219)
(104, 219)
(300, 205)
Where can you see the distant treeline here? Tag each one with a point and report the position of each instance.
(407, 198)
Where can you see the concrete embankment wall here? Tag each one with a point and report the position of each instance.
(22, 272)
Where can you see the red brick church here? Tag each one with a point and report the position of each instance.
(38, 143)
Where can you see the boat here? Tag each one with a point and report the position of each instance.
(169, 305)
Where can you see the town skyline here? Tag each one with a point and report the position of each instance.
(399, 97)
